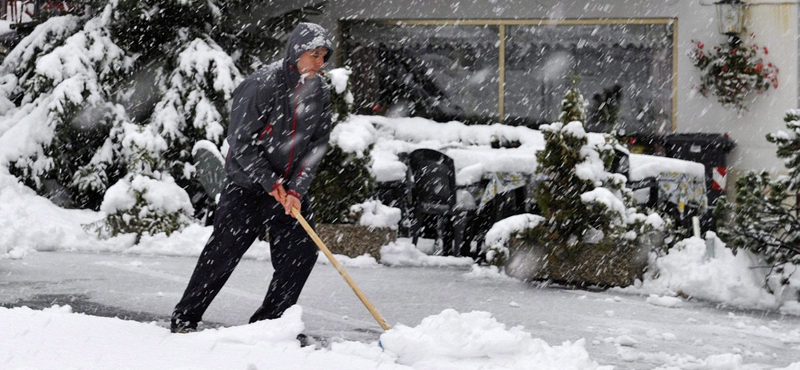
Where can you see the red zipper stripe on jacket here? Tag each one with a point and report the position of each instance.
(294, 127)
(266, 131)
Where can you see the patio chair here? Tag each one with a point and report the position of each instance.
(209, 165)
(431, 178)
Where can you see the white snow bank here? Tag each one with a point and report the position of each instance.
(475, 340)
(57, 339)
(403, 253)
(689, 269)
(354, 135)
(376, 214)
(364, 260)
(31, 222)
(339, 77)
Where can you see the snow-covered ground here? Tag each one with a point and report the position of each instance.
(56, 338)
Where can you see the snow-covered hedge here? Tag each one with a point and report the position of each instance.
(343, 178)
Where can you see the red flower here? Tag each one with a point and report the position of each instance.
(731, 73)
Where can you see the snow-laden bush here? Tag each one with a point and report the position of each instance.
(764, 218)
(343, 178)
(341, 95)
(144, 205)
(70, 90)
(589, 231)
(375, 214)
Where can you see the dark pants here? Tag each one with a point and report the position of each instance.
(243, 215)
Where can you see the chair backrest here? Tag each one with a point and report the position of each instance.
(433, 180)
(210, 168)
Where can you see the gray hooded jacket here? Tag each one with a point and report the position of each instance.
(280, 124)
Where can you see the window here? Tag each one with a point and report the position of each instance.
(437, 71)
(516, 71)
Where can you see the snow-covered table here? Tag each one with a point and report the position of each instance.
(680, 182)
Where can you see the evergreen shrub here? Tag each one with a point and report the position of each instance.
(343, 179)
(764, 217)
(589, 232)
(144, 205)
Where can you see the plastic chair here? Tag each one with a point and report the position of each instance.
(210, 167)
(431, 177)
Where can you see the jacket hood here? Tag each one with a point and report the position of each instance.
(305, 37)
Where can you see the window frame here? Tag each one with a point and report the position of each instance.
(344, 25)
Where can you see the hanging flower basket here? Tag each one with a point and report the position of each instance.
(731, 73)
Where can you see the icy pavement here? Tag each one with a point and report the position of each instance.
(625, 331)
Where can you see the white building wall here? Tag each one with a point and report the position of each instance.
(774, 25)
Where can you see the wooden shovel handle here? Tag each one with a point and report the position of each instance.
(381, 321)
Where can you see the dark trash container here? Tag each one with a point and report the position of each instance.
(709, 149)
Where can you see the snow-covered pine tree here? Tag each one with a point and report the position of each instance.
(145, 201)
(764, 216)
(72, 85)
(62, 79)
(590, 230)
(573, 106)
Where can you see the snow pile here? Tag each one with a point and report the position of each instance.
(31, 222)
(354, 135)
(376, 215)
(362, 261)
(665, 301)
(498, 236)
(56, 338)
(475, 340)
(479, 272)
(690, 270)
(403, 253)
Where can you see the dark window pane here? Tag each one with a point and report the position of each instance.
(436, 71)
(632, 60)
